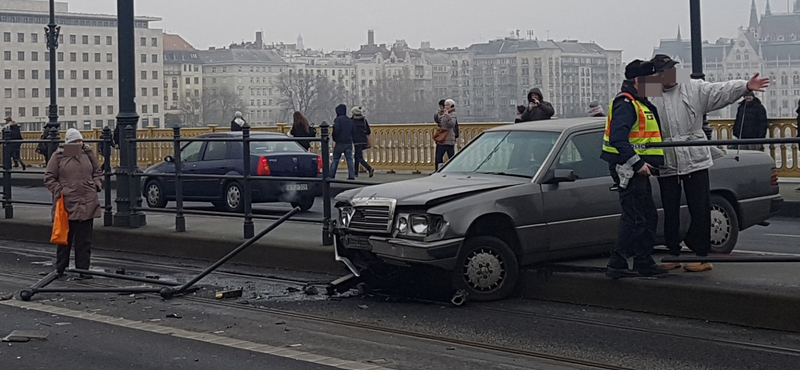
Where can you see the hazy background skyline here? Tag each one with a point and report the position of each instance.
(634, 26)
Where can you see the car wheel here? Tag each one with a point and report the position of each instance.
(305, 203)
(724, 225)
(234, 197)
(486, 268)
(154, 194)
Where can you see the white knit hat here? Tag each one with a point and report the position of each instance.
(451, 101)
(356, 111)
(73, 135)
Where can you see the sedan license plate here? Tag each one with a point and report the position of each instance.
(296, 187)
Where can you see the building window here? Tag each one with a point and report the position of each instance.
(72, 39)
(60, 56)
(110, 92)
(196, 80)
(154, 41)
(110, 109)
(34, 93)
(7, 93)
(21, 93)
(98, 92)
(98, 109)
(144, 91)
(143, 58)
(21, 55)
(97, 57)
(97, 40)
(86, 110)
(21, 112)
(155, 108)
(21, 74)
(73, 92)
(60, 92)
(110, 75)
(109, 40)
(109, 57)
(85, 75)
(85, 92)
(35, 111)
(156, 122)
(188, 80)
(7, 38)
(155, 75)
(143, 41)
(73, 57)
(47, 92)
(85, 57)
(144, 109)
(85, 41)
(60, 74)
(144, 75)
(7, 55)
(20, 37)
(34, 56)
(154, 57)
(60, 111)
(155, 91)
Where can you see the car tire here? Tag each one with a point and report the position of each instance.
(154, 194)
(305, 203)
(233, 198)
(724, 225)
(486, 269)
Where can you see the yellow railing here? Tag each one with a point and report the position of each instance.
(410, 147)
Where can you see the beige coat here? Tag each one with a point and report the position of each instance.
(79, 179)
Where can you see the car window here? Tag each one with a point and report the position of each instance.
(519, 153)
(267, 147)
(215, 151)
(581, 154)
(191, 152)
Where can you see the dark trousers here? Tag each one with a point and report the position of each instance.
(359, 157)
(441, 150)
(15, 156)
(637, 226)
(698, 198)
(347, 151)
(80, 237)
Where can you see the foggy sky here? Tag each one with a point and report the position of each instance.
(634, 26)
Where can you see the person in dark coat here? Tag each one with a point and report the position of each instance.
(301, 128)
(360, 132)
(237, 122)
(798, 118)
(343, 136)
(751, 121)
(538, 109)
(14, 149)
(520, 111)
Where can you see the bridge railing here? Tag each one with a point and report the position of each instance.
(410, 147)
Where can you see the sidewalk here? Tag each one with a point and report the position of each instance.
(754, 294)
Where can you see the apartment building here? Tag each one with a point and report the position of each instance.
(87, 67)
(183, 82)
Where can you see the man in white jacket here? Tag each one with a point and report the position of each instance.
(681, 108)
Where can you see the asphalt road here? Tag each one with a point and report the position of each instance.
(628, 339)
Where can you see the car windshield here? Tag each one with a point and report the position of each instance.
(511, 153)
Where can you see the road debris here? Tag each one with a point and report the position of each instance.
(233, 293)
(6, 297)
(310, 290)
(174, 315)
(63, 323)
(363, 306)
(26, 335)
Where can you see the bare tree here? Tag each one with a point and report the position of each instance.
(219, 107)
(191, 112)
(398, 99)
(313, 95)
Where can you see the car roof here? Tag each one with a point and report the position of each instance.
(239, 133)
(554, 125)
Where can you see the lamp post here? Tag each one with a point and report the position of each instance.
(52, 32)
(128, 189)
(697, 53)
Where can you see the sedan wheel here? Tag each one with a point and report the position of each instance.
(154, 194)
(724, 225)
(486, 269)
(234, 202)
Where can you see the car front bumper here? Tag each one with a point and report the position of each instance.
(440, 253)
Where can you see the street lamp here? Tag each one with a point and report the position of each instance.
(129, 198)
(52, 32)
(697, 53)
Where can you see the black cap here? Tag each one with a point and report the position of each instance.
(639, 68)
(663, 62)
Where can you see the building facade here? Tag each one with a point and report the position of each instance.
(183, 82)
(87, 67)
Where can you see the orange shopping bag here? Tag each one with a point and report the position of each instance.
(60, 224)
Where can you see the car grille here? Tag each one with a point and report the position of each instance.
(372, 219)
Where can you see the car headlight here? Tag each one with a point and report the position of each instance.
(345, 215)
(418, 224)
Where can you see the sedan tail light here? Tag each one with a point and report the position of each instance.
(773, 178)
(319, 164)
(263, 167)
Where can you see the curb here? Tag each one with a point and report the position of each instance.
(761, 309)
(181, 245)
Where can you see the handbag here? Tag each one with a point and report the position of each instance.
(440, 136)
(370, 141)
(60, 224)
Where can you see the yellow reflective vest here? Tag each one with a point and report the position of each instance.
(645, 130)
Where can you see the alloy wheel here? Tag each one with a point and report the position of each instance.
(484, 270)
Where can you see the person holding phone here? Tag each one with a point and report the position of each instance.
(74, 173)
(538, 109)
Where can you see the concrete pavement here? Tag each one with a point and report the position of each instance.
(756, 294)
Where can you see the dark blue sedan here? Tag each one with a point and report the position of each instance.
(268, 159)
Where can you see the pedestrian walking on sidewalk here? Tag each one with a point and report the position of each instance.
(631, 124)
(751, 121)
(237, 122)
(446, 137)
(361, 132)
(14, 149)
(301, 128)
(682, 106)
(78, 179)
(343, 136)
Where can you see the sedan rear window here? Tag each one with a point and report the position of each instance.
(270, 147)
(513, 153)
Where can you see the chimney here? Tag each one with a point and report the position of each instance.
(259, 40)
(370, 37)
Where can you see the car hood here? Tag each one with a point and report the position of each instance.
(434, 189)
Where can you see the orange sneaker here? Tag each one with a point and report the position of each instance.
(698, 267)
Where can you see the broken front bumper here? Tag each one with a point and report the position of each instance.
(441, 253)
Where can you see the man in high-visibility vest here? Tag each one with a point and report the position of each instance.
(632, 122)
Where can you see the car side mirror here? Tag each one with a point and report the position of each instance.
(558, 175)
(169, 159)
